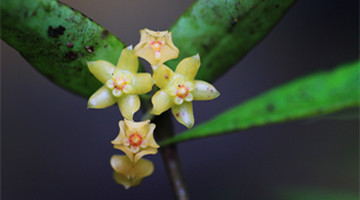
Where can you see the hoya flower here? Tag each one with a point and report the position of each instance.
(156, 47)
(122, 83)
(128, 173)
(178, 89)
(136, 139)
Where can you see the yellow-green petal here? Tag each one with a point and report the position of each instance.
(121, 164)
(142, 83)
(134, 170)
(162, 76)
(102, 98)
(184, 114)
(169, 50)
(147, 53)
(126, 150)
(150, 137)
(204, 91)
(161, 102)
(128, 105)
(128, 173)
(128, 61)
(155, 34)
(124, 181)
(137, 127)
(120, 138)
(142, 153)
(101, 69)
(189, 67)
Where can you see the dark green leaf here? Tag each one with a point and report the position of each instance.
(313, 95)
(58, 40)
(223, 31)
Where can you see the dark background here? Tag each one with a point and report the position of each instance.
(52, 147)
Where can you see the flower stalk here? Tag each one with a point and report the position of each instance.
(170, 156)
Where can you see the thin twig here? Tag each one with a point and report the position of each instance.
(170, 156)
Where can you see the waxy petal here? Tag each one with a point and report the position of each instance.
(144, 152)
(128, 173)
(147, 53)
(124, 181)
(128, 61)
(149, 32)
(166, 52)
(126, 150)
(142, 83)
(169, 50)
(128, 105)
(161, 102)
(204, 91)
(101, 69)
(150, 137)
(162, 76)
(102, 98)
(188, 67)
(137, 127)
(184, 114)
(121, 137)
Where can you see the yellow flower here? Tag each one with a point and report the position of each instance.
(122, 83)
(136, 139)
(156, 47)
(178, 89)
(128, 173)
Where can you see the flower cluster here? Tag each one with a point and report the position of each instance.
(123, 85)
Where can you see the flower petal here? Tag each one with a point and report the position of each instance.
(189, 67)
(121, 137)
(143, 168)
(161, 102)
(204, 91)
(169, 50)
(128, 105)
(102, 98)
(128, 61)
(162, 76)
(123, 180)
(150, 137)
(184, 114)
(144, 152)
(142, 83)
(101, 69)
(126, 150)
(147, 53)
(137, 127)
(121, 164)
(128, 173)
(154, 33)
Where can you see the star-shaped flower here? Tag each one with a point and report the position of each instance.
(136, 139)
(178, 89)
(128, 173)
(156, 47)
(122, 83)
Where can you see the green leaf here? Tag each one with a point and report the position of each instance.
(224, 31)
(312, 95)
(58, 40)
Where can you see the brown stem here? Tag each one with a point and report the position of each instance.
(170, 156)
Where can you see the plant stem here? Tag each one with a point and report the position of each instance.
(170, 156)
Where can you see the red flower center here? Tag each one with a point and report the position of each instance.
(135, 139)
(182, 91)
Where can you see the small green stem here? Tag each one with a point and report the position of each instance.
(170, 156)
